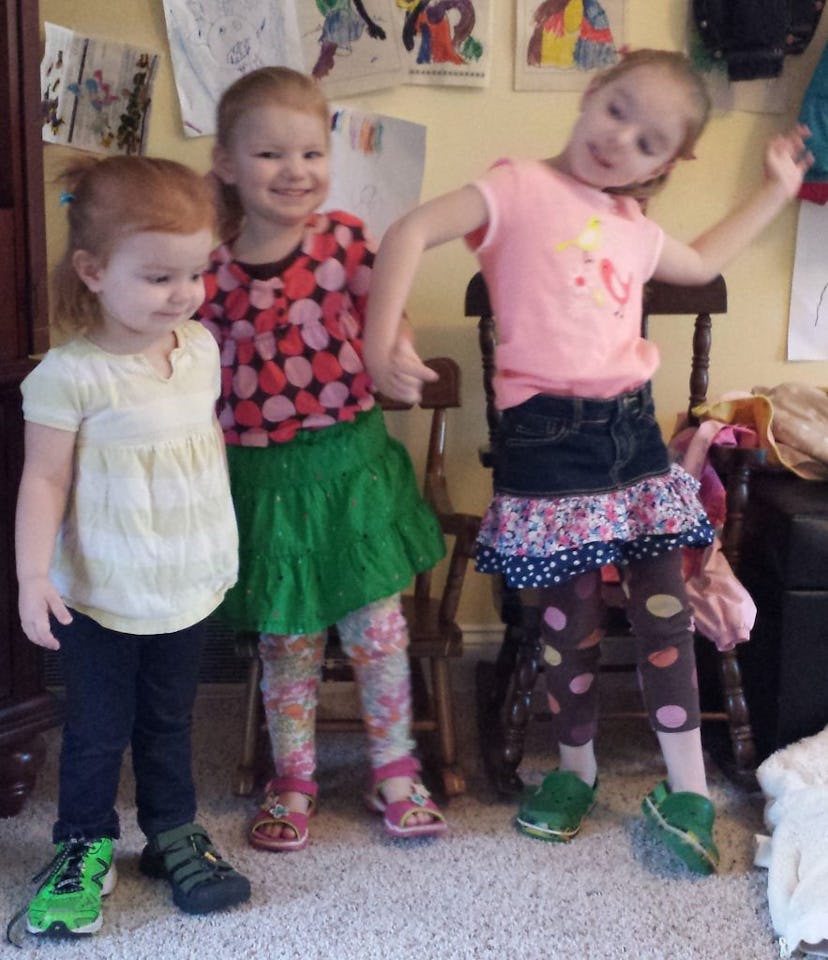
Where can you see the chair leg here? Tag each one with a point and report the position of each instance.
(740, 729)
(246, 772)
(503, 742)
(511, 613)
(504, 666)
(421, 704)
(492, 681)
(454, 782)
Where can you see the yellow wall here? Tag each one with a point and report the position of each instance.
(467, 128)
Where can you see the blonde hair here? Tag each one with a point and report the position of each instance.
(111, 199)
(685, 74)
(267, 86)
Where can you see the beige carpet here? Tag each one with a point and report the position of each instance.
(482, 892)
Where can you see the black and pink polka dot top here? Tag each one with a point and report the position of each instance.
(290, 333)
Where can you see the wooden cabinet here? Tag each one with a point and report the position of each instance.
(26, 708)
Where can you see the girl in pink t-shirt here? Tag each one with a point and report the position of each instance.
(582, 478)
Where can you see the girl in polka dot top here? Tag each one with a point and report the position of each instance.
(582, 478)
(331, 523)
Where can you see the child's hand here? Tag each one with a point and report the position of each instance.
(402, 378)
(37, 599)
(787, 159)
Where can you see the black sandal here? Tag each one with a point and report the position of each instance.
(201, 881)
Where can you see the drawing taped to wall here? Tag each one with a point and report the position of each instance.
(214, 42)
(350, 46)
(560, 43)
(446, 41)
(808, 318)
(95, 94)
(377, 164)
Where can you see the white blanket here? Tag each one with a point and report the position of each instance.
(795, 783)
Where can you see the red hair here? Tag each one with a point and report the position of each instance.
(108, 200)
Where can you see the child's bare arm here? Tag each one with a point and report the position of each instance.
(786, 161)
(399, 373)
(41, 502)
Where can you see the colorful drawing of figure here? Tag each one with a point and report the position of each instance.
(430, 21)
(571, 34)
(345, 21)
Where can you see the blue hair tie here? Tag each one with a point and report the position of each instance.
(66, 198)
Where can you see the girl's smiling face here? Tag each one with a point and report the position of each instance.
(630, 129)
(278, 161)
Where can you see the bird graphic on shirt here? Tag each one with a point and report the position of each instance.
(588, 239)
(617, 288)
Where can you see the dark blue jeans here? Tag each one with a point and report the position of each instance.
(551, 446)
(120, 689)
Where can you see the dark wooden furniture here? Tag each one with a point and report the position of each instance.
(26, 709)
(785, 568)
(430, 611)
(505, 687)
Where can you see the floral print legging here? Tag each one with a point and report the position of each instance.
(375, 638)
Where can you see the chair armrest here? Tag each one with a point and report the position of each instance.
(464, 526)
(437, 494)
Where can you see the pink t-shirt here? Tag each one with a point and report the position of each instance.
(565, 265)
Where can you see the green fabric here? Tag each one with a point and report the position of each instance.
(557, 808)
(329, 522)
(684, 823)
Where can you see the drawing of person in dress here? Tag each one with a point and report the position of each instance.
(345, 21)
(571, 34)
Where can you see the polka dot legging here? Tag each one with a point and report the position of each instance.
(375, 638)
(660, 616)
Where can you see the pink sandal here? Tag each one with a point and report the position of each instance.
(396, 815)
(274, 813)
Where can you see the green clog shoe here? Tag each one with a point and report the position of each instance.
(556, 809)
(684, 824)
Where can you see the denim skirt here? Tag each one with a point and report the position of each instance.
(581, 483)
(552, 446)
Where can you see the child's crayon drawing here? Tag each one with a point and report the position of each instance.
(446, 41)
(560, 43)
(95, 94)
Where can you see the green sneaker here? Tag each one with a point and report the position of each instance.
(557, 808)
(684, 823)
(69, 898)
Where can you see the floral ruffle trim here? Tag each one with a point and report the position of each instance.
(544, 541)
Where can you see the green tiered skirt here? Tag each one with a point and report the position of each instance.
(329, 522)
